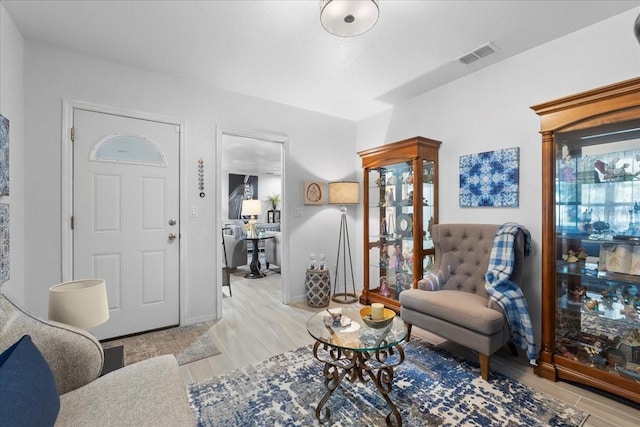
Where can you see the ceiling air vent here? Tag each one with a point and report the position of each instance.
(478, 53)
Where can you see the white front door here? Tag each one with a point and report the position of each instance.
(126, 217)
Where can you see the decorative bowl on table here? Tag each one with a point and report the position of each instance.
(365, 315)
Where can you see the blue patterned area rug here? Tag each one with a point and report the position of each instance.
(431, 388)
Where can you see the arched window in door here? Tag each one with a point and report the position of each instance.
(131, 149)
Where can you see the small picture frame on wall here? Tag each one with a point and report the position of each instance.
(313, 193)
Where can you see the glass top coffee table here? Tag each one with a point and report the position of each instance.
(348, 347)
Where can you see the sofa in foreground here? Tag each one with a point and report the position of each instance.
(273, 249)
(147, 393)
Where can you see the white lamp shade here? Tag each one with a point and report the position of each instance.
(81, 303)
(251, 207)
(344, 193)
(347, 18)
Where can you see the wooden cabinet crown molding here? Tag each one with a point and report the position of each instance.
(607, 104)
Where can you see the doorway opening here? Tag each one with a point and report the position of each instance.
(250, 166)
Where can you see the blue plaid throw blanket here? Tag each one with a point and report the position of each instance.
(506, 293)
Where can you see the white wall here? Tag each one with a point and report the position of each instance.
(53, 74)
(489, 110)
(268, 186)
(12, 107)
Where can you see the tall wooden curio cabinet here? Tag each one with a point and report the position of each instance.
(400, 205)
(591, 239)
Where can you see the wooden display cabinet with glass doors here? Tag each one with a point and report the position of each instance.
(591, 240)
(400, 205)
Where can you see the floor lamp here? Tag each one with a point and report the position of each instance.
(344, 193)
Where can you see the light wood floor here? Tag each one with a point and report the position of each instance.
(256, 326)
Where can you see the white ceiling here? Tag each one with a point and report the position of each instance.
(278, 50)
(251, 156)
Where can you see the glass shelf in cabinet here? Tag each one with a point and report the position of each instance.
(622, 278)
(617, 239)
(392, 270)
(376, 240)
(573, 268)
(390, 293)
(578, 269)
(614, 316)
(381, 238)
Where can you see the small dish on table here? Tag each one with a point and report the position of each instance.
(388, 315)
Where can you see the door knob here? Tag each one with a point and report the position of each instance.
(172, 236)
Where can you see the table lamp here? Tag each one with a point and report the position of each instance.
(344, 193)
(80, 303)
(252, 208)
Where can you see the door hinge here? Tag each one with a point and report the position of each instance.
(73, 134)
(72, 222)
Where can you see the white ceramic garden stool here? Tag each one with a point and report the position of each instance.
(317, 287)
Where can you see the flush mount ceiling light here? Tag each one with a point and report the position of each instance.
(347, 18)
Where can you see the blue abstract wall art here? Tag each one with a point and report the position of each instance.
(4, 156)
(490, 179)
(4, 242)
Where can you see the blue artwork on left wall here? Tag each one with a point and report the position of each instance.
(4, 242)
(4, 156)
(490, 179)
(4, 207)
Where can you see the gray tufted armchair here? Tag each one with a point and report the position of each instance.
(147, 393)
(452, 301)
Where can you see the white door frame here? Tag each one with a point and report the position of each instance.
(268, 137)
(67, 184)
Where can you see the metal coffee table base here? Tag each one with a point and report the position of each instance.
(357, 365)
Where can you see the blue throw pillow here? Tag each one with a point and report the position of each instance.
(28, 391)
